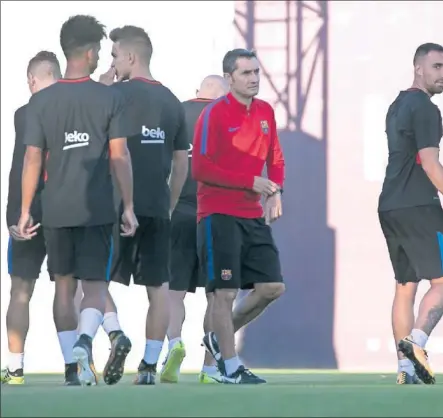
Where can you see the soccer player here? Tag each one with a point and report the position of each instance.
(81, 125)
(25, 258)
(235, 137)
(185, 272)
(410, 212)
(159, 151)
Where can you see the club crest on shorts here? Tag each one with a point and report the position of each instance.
(226, 274)
(264, 126)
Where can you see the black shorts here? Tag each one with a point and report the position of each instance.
(415, 242)
(86, 252)
(145, 256)
(25, 258)
(185, 271)
(236, 253)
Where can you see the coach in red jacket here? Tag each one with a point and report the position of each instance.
(234, 137)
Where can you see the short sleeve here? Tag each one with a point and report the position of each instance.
(119, 126)
(426, 120)
(34, 134)
(181, 140)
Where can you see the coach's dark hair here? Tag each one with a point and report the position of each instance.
(79, 33)
(425, 49)
(45, 56)
(133, 36)
(230, 59)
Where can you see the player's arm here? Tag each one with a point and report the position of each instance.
(35, 142)
(426, 123)
(204, 163)
(119, 155)
(275, 163)
(179, 168)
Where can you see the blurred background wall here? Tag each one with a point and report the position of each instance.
(330, 69)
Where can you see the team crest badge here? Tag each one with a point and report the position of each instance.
(226, 274)
(264, 126)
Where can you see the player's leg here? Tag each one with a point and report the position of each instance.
(209, 372)
(25, 259)
(425, 249)
(60, 248)
(153, 272)
(260, 271)
(402, 314)
(120, 344)
(220, 252)
(93, 258)
(183, 263)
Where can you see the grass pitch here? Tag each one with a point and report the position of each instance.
(287, 394)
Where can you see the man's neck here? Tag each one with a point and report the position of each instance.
(142, 73)
(244, 100)
(73, 71)
(418, 85)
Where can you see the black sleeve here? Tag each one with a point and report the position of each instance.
(426, 124)
(181, 140)
(119, 122)
(19, 123)
(34, 135)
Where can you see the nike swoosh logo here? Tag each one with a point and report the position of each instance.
(233, 129)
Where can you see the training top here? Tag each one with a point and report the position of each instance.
(188, 197)
(158, 127)
(413, 123)
(231, 146)
(74, 120)
(14, 206)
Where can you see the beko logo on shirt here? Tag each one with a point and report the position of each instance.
(156, 136)
(76, 139)
(191, 147)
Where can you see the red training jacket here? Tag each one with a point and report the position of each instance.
(231, 146)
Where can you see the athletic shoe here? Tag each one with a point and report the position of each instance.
(146, 374)
(171, 366)
(404, 378)
(115, 366)
(83, 357)
(71, 375)
(12, 378)
(419, 358)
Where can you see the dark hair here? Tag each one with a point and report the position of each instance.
(230, 59)
(134, 36)
(425, 49)
(79, 33)
(45, 56)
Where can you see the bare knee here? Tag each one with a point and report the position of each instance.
(406, 291)
(21, 290)
(270, 291)
(224, 298)
(437, 283)
(158, 293)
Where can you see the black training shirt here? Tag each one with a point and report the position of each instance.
(413, 123)
(14, 206)
(74, 120)
(158, 125)
(188, 198)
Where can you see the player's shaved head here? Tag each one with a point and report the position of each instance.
(213, 87)
(133, 39)
(44, 65)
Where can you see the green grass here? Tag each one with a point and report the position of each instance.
(287, 394)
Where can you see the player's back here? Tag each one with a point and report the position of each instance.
(15, 175)
(76, 118)
(188, 197)
(155, 116)
(406, 183)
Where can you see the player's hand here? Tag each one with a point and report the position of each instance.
(26, 228)
(109, 77)
(273, 208)
(129, 223)
(15, 234)
(264, 186)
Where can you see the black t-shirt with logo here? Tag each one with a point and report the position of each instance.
(14, 205)
(158, 128)
(188, 198)
(74, 120)
(413, 123)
